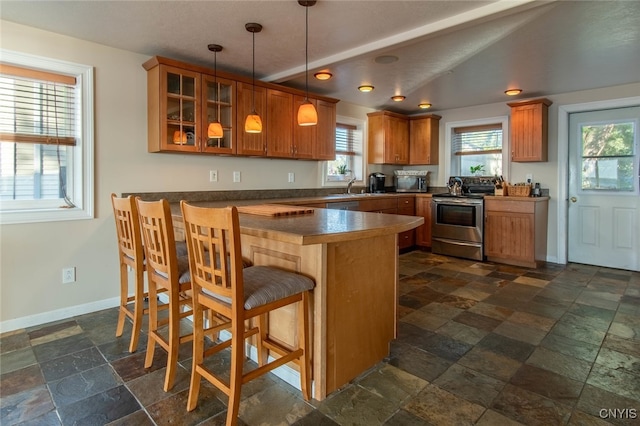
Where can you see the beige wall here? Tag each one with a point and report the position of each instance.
(32, 255)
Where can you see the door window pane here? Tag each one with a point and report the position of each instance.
(608, 152)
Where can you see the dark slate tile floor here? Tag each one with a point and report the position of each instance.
(478, 343)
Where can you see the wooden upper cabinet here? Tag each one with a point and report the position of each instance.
(424, 139)
(250, 143)
(173, 115)
(325, 144)
(218, 104)
(529, 130)
(304, 137)
(279, 124)
(388, 141)
(184, 98)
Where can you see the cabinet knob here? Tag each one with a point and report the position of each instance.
(573, 199)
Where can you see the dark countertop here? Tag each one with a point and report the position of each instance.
(321, 226)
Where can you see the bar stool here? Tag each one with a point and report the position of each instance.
(221, 284)
(167, 272)
(131, 255)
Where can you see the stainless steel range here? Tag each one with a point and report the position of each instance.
(457, 218)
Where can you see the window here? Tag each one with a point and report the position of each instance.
(608, 157)
(477, 147)
(46, 140)
(348, 163)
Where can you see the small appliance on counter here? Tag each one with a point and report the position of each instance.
(411, 180)
(376, 182)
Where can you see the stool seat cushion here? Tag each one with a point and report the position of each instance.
(183, 270)
(265, 284)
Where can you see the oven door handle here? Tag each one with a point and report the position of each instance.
(458, 242)
(457, 201)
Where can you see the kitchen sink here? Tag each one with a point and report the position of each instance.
(355, 195)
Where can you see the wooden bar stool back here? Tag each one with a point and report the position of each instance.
(131, 255)
(168, 273)
(221, 284)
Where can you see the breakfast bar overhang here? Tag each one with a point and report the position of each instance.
(353, 259)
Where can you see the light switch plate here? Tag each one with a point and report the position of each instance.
(291, 177)
(213, 175)
(236, 177)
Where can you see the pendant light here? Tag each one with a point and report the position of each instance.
(253, 123)
(307, 114)
(214, 131)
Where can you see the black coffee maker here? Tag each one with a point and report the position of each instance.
(376, 182)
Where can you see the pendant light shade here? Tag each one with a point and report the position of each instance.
(253, 123)
(214, 131)
(307, 114)
(179, 137)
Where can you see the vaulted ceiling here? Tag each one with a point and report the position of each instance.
(449, 53)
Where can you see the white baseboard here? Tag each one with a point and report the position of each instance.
(58, 314)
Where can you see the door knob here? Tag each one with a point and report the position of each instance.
(573, 199)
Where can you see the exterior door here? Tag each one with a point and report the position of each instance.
(604, 201)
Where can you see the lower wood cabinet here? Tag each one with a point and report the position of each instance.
(423, 232)
(515, 230)
(407, 206)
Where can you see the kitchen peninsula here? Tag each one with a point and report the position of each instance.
(353, 258)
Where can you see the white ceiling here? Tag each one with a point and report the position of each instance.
(450, 53)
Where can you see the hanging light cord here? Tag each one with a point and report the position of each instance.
(306, 53)
(215, 82)
(253, 73)
(63, 185)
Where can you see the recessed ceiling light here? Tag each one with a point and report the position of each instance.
(365, 88)
(323, 75)
(386, 59)
(512, 92)
(424, 105)
(398, 98)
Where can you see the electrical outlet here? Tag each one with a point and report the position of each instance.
(236, 177)
(529, 178)
(213, 175)
(292, 177)
(68, 275)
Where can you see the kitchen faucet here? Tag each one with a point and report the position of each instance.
(351, 181)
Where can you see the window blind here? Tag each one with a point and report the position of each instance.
(37, 107)
(475, 140)
(348, 140)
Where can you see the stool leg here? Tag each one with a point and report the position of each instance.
(235, 375)
(198, 357)
(153, 324)
(138, 310)
(174, 339)
(304, 343)
(263, 353)
(124, 295)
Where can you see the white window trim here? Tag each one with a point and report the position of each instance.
(83, 163)
(506, 158)
(360, 124)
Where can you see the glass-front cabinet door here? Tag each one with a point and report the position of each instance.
(180, 108)
(218, 105)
